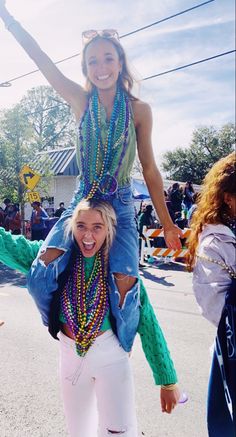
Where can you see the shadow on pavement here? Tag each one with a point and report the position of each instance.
(158, 279)
(11, 277)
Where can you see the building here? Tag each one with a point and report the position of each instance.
(61, 170)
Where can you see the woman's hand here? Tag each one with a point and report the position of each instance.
(172, 237)
(169, 399)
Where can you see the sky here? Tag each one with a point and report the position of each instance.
(201, 95)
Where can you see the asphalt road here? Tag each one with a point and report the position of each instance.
(30, 404)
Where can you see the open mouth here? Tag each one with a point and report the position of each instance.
(88, 245)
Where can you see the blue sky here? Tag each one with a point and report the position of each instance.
(181, 101)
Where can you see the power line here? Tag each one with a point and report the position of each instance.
(8, 82)
(189, 65)
(167, 18)
(151, 77)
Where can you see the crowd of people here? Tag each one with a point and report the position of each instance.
(84, 277)
(40, 222)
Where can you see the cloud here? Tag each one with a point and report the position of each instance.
(203, 94)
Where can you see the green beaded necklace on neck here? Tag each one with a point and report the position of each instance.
(102, 160)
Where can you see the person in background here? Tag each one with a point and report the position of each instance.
(192, 208)
(12, 221)
(146, 219)
(7, 202)
(142, 208)
(169, 205)
(212, 248)
(2, 217)
(188, 195)
(38, 219)
(176, 197)
(59, 211)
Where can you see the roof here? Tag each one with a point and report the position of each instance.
(58, 161)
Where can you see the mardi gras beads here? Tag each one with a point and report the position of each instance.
(84, 303)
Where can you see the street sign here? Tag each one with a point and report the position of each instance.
(28, 177)
(33, 196)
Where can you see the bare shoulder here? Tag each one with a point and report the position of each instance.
(142, 111)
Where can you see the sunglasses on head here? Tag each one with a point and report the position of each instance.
(89, 35)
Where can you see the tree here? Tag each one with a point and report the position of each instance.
(208, 145)
(14, 151)
(50, 118)
(41, 121)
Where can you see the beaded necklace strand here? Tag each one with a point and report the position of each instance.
(84, 303)
(102, 182)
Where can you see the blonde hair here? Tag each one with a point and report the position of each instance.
(211, 207)
(107, 213)
(125, 79)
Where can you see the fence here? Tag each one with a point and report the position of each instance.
(164, 252)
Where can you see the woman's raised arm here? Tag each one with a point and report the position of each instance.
(71, 92)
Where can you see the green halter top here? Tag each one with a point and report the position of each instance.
(129, 157)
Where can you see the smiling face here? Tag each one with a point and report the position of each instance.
(102, 64)
(90, 232)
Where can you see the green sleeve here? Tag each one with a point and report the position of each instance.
(154, 344)
(17, 252)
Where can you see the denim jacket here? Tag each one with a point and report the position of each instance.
(42, 282)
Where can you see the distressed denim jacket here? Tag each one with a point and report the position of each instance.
(42, 282)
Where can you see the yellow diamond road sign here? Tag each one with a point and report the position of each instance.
(28, 177)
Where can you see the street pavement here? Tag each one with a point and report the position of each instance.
(30, 404)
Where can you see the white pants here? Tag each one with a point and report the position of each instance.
(98, 389)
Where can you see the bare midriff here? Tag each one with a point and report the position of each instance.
(66, 330)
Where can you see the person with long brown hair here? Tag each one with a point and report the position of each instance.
(212, 246)
(112, 126)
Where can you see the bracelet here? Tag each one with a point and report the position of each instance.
(169, 387)
(10, 22)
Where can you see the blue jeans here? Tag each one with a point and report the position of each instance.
(123, 258)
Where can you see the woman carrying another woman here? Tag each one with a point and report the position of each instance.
(111, 124)
(212, 248)
(93, 363)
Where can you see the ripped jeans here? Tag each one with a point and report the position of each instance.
(98, 389)
(42, 281)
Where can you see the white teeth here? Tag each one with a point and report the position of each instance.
(103, 77)
(88, 245)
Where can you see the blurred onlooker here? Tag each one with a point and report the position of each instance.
(188, 195)
(2, 217)
(142, 208)
(6, 202)
(12, 220)
(146, 219)
(59, 211)
(169, 205)
(176, 197)
(38, 222)
(193, 208)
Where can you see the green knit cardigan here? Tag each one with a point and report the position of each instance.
(18, 253)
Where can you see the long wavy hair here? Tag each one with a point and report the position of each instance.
(108, 215)
(211, 207)
(125, 80)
